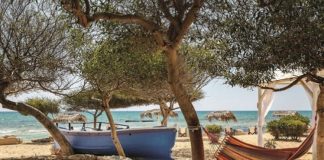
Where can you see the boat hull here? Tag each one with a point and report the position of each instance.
(151, 143)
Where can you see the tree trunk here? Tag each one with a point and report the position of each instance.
(114, 135)
(95, 119)
(66, 148)
(188, 110)
(94, 122)
(165, 113)
(320, 125)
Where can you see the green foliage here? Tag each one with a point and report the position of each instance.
(264, 37)
(39, 58)
(270, 143)
(90, 99)
(273, 128)
(82, 101)
(214, 128)
(45, 105)
(297, 116)
(119, 63)
(292, 126)
(128, 62)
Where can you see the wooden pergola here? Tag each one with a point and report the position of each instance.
(265, 99)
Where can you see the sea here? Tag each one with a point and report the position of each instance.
(28, 128)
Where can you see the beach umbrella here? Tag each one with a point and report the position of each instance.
(221, 116)
(68, 118)
(155, 113)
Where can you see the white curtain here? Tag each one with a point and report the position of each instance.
(313, 91)
(265, 101)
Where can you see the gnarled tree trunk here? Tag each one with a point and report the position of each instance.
(183, 98)
(114, 135)
(66, 148)
(320, 125)
(95, 119)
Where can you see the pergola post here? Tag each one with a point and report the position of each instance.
(265, 99)
(259, 105)
(312, 89)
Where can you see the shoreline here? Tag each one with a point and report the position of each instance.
(180, 151)
(27, 128)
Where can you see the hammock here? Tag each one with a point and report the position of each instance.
(232, 148)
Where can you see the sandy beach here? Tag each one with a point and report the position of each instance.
(180, 151)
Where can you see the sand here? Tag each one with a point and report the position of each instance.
(181, 150)
(24, 149)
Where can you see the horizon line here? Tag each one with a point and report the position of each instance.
(180, 110)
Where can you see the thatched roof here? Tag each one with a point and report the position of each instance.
(221, 116)
(68, 118)
(155, 113)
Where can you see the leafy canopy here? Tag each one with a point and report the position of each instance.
(33, 47)
(91, 100)
(264, 37)
(45, 105)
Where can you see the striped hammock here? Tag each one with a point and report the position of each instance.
(232, 148)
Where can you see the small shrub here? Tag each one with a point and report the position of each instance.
(292, 126)
(297, 116)
(270, 143)
(216, 129)
(273, 128)
(295, 129)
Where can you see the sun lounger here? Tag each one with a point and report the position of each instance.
(240, 132)
(182, 132)
(252, 130)
(229, 131)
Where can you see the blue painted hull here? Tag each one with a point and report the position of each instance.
(151, 143)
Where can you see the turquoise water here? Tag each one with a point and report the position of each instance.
(27, 127)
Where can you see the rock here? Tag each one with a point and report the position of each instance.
(81, 157)
(112, 158)
(43, 140)
(10, 139)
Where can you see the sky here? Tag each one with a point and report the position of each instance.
(219, 96)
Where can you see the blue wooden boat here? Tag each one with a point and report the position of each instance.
(148, 143)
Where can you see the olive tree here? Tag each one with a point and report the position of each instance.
(170, 23)
(263, 38)
(113, 66)
(33, 57)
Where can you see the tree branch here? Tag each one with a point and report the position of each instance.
(85, 19)
(51, 91)
(175, 108)
(100, 113)
(190, 17)
(299, 78)
(87, 4)
(166, 11)
(316, 78)
(128, 19)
